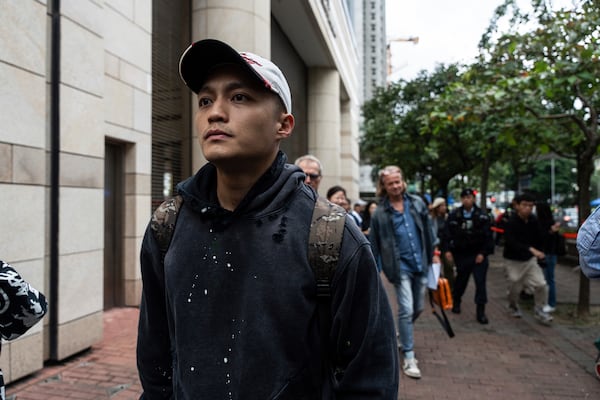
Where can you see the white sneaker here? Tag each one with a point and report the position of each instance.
(542, 316)
(548, 309)
(410, 368)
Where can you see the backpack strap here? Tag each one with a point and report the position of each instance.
(324, 243)
(163, 222)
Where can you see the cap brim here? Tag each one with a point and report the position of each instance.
(201, 57)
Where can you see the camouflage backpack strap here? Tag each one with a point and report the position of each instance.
(163, 222)
(324, 242)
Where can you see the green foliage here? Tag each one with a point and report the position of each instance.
(394, 134)
(541, 176)
(534, 90)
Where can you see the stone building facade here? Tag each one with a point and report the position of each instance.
(95, 129)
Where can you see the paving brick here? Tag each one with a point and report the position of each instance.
(509, 359)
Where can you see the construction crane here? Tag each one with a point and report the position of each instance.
(413, 39)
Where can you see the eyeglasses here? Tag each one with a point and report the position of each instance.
(313, 177)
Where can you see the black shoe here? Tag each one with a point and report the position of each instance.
(456, 308)
(481, 318)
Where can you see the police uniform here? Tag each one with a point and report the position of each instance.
(466, 235)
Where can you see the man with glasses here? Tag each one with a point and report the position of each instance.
(522, 252)
(312, 169)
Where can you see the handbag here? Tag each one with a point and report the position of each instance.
(442, 297)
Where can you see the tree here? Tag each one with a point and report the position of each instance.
(558, 78)
(563, 180)
(394, 135)
(487, 118)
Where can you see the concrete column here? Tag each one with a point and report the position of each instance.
(219, 19)
(324, 123)
(350, 172)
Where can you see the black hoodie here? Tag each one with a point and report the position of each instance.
(520, 235)
(233, 313)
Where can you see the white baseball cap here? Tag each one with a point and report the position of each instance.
(198, 60)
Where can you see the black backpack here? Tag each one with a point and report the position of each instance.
(325, 239)
(324, 244)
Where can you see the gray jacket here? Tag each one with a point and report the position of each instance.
(382, 237)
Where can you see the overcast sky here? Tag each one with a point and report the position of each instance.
(448, 30)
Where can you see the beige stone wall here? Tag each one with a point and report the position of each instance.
(105, 94)
(324, 140)
(23, 163)
(350, 177)
(333, 91)
(346, 56)
(208, 18)
(128, 119)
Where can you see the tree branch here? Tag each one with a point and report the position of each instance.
(572, 117)
(589, 133)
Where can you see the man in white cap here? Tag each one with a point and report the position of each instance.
(229, 309)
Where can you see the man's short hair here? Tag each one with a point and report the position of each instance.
(309, 157)
(524, 197)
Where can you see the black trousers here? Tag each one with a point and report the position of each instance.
(465, 266)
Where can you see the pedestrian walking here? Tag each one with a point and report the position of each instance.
(588, 245)
(523, 249)
(312, 169)
(229, 311)
(551, 244)
(367, 215)
(402, 242)
(438, 212)
(467, 242)
(358, 211)
(337, 195)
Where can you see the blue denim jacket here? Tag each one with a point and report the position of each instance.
(588, 245)
(382, 237)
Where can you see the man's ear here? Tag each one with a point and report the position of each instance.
(286, 126)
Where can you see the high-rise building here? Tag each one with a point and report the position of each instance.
(374, 45)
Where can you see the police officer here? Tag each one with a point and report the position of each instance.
(466, 242)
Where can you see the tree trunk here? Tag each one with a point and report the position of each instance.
(485, 176)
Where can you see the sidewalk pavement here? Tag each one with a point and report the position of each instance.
(515, 359)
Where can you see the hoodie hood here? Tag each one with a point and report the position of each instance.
(268, 195)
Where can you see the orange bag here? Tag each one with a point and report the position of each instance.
(443, 295)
